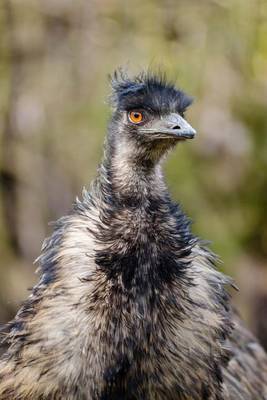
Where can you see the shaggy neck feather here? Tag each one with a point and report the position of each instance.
(132, 174)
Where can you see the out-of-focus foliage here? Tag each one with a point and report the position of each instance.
(55, 56)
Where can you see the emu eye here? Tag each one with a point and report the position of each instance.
(136, 117)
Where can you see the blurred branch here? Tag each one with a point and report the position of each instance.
(8, 169)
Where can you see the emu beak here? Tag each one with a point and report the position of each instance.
(172, 126)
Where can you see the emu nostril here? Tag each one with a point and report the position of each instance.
(176, 127)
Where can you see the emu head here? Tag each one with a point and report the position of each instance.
(148, 118)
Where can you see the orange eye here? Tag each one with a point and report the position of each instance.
(136, 117)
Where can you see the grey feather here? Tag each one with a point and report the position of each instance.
(130, 304)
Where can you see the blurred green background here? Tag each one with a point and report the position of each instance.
(55, 56)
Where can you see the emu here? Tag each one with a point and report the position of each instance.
(129, 304)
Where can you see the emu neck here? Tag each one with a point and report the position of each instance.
(134, 177)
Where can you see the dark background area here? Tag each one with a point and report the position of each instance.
(55, 56)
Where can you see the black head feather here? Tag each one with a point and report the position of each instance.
(147, 91)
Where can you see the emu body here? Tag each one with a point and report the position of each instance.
(129, 304)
